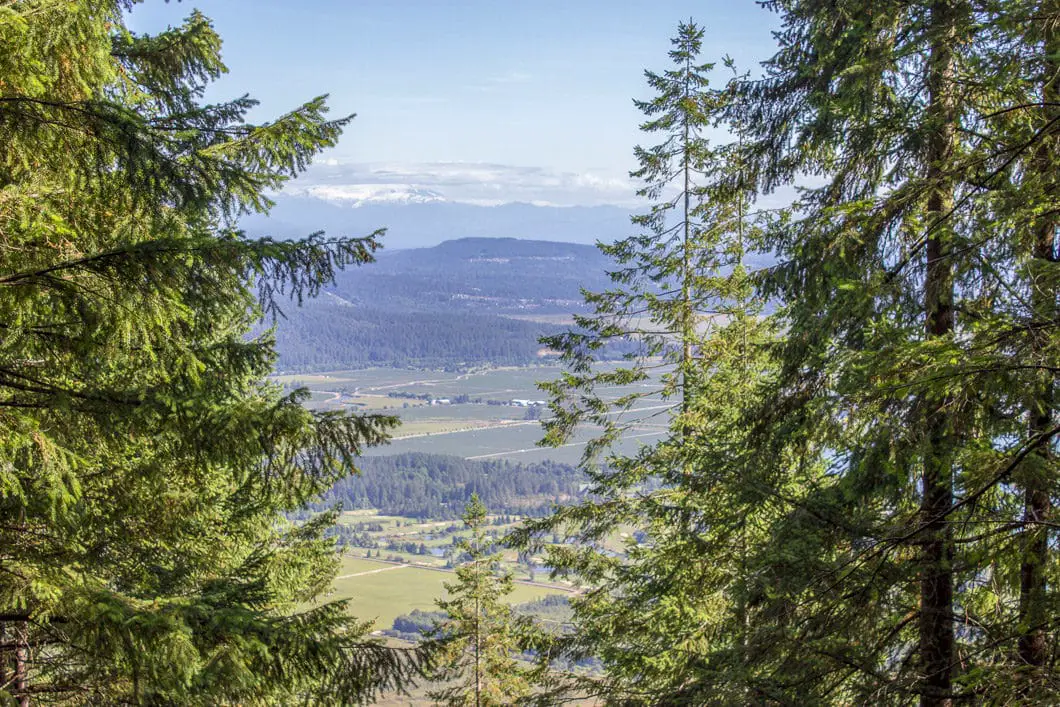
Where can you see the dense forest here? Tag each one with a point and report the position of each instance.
(435, 486)
(499, 275)
(332, 336)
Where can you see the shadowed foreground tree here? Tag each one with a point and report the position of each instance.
(920, 351)
(144, 459)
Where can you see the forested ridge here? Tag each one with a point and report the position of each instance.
(450, 306)
(336, 336)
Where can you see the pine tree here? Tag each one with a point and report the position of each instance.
(668, 618)
(654, 303)
(479, 638)
(145, 459)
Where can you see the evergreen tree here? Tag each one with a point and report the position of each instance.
(145, 459)
(909, 304)
(1016, 212)
(668, 618)
(655, 303)
(479, 638)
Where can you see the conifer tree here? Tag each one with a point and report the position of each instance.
(145, 459)
(906, 290)
(478, 640)
(655, 301)
(1017, 142)
(668, 618)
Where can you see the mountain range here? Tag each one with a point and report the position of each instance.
(418, 217)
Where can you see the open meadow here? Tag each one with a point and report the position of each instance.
(382, 591)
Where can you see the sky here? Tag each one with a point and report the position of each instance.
(484, 101)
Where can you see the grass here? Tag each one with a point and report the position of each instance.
(356, 565)
(382, 402)
(468, 411)
(430, 427)
(398, 589)
(515, 442)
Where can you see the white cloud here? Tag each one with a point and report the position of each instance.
(472, 183)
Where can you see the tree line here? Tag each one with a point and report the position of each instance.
(418, 485)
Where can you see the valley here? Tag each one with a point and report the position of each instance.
(446, 339)
(472, 414)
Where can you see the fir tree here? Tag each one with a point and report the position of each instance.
(479, 638)
(668, 618)
(655, 303)
(145, 459)
(903, 281)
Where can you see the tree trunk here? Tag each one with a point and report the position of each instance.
(1033, 612)
(936, 578)
(687, 324)
(22, 664)
(478, 654)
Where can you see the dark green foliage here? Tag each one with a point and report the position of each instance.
(903, 287)
(668, 616)
(327, 337)
(145, 461)
(858, 509)
(451, 306)
(434, 486)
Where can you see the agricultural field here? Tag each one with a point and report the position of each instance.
(470, 427)
(435, 536)
(382, 591)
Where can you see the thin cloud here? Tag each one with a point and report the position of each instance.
(472, 183)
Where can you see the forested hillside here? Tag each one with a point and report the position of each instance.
(323, 336)
(462, 303)
(438, 487)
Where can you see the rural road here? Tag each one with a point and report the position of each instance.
(569, 444)
(360, 574)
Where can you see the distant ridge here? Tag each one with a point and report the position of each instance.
(463, 302)
(419, 220)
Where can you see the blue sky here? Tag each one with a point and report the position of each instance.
(444, 88)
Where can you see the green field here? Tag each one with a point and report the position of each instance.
(391, 590)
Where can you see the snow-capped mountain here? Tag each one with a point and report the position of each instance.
(417, 217)
(358, 195)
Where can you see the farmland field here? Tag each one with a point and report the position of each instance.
(473, 429)
(382, 591)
